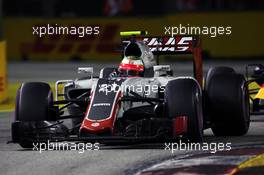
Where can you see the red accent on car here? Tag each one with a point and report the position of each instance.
(97, 126)
(93, 126)
(180, 125)
(89, 105)
(124, 66)
(262, 85)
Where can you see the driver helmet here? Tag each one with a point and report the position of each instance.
(131, 66)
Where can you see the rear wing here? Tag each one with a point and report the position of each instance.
(170, 45)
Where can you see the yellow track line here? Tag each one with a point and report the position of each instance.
(256, 161)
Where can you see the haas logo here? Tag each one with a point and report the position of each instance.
(173, 44)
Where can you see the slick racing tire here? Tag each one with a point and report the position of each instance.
(33, 102)
(215, 71)
(227, 103)
(210, 74)
(183, 98)
(32, 105)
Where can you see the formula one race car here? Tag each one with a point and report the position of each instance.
(255, 80)
(139, 101)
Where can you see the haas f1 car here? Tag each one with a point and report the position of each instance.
(153, 105)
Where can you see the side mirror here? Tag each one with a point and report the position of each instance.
(162, 70)
(86, 70)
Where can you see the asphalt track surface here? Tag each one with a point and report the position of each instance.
(108, 159)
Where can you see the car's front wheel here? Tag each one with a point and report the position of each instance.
(183, 98)
(33, 103)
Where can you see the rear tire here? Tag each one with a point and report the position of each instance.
(183, 98)
(216, 71)
(227, 103)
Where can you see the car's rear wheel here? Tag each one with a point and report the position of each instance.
(216, 71)
(183, 98)
(227, 103)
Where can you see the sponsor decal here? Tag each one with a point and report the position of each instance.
(95, 124)
(101, 104)
(172, 44)
(73, 44)
(24, 45)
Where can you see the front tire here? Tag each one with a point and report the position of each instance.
(33, 104)
(183, 98)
